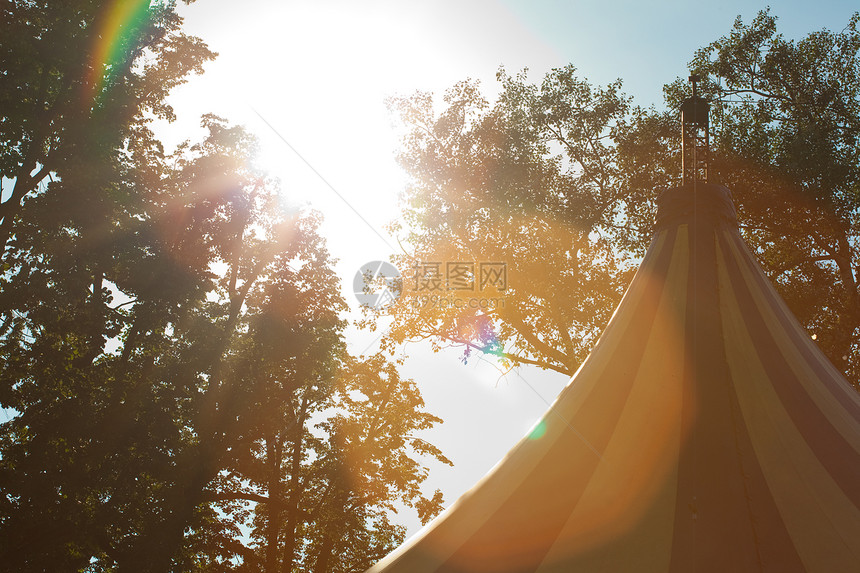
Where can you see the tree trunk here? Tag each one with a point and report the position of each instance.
(333, 532)
(324, 557)
(292, 511)
(273, 459)
(849, 318)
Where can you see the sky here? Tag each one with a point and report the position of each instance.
(310, 79)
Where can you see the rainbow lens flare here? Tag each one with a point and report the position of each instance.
(118, 28)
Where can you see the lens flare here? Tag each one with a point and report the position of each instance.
(537, 431)
(118, 26)
(478, 331)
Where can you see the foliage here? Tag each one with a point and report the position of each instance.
(69, 100)
(787, 121)
(165, 322)
(559, 180)
(531, 182)
(326, 474)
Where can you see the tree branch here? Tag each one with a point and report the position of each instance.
(238, 495)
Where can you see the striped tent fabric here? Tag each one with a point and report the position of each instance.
(705, 433)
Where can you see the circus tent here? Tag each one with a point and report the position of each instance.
(705, 433)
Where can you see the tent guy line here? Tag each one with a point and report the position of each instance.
(323, 179)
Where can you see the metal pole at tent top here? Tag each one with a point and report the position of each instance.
(695, 137)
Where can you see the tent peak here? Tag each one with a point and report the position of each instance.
(702, 203)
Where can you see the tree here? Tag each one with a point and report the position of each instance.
(118, 335)
(369, 464)
(78, 121)
(325, 475)
(787, 133)
(530, 182)
(155, 308)
(559, 181)
(80, 79)
(125, 449)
